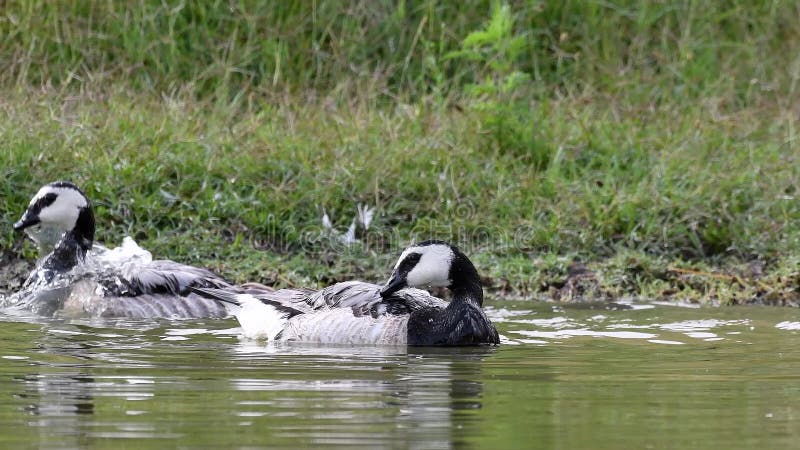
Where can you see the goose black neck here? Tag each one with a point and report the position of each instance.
(462, 322)
(83, 232)
(68, 253)
(464, 281)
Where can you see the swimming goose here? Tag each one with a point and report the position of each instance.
(80, 278)
(356, 312)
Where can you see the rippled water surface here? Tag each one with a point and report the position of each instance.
(650, 377)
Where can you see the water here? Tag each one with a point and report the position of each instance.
(652, 377)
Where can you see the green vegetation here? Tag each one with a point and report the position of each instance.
(655, 142)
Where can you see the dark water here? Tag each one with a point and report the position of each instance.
(656, 377)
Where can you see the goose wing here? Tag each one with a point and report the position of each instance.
(158, 277)
(130, 270)
(157, 289)
(164, 276)
(290, 302)
(352, 312)
(359, 297)
(365, 299)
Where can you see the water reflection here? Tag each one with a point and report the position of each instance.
(56, 395)
(405, 395)
(88, 381)
(65, 397)
(58, 405)
(564, 379)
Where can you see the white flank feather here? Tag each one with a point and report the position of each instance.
(258, 320)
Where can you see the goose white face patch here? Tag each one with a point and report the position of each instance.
(433, 268)
(63, 212)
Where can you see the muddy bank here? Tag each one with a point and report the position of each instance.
(13, 271)
(607, 281)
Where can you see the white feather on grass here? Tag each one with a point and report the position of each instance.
(326, 221)
(349, 236)
(364, 215)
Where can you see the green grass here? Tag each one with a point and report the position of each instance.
(653, 142)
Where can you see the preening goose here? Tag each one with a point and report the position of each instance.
(356, 312)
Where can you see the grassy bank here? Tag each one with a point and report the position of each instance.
(584, 150)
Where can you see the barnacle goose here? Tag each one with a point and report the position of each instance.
(356, 312)
(77, 277)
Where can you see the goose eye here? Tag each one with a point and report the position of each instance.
(413, 258)
(409, 262)
(44, 201)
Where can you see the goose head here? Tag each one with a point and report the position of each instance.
(435, 264)
(58, 208)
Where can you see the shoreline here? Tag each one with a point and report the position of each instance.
(597, 284)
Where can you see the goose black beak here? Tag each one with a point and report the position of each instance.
(395, 283)
(27, 220)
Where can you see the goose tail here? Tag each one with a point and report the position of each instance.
(259, 318)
